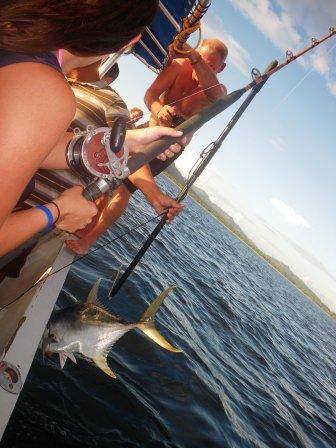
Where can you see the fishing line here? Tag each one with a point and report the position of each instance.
(197, 164)
(332, 32)
(84, 256)
(148, 114)
(285, 98)
(257, 83)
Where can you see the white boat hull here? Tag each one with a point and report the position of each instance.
(22, 323)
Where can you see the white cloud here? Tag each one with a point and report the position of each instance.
(306, 279)
(238, 57)
(238, 217)
(279, 28)
(332, 87)
(277, 143)
(290, 24)
(320, 63)
(289, 213)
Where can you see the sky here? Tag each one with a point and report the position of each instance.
(275, 173)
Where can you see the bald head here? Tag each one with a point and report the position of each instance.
(214, 52)
(214, 46)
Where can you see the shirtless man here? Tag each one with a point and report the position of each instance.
(187, 84)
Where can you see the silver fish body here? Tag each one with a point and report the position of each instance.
(86, 328)
(91, 330)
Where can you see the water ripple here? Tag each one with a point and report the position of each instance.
(258, 361)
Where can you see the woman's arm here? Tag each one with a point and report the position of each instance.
(36, 108)
(72, 212)
(13, 233)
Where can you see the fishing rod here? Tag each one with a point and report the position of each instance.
(290, 57)
(208, 154)
(99, 154)
(100, 185)
(198, 120)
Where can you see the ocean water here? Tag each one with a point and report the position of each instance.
(258, 361)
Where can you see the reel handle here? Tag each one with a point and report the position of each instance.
(118, 134)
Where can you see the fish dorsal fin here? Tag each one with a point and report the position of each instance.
(62, 358)
(72, 357)
(93, 296)
(101, 362)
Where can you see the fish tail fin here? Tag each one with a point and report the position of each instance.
(147, 326)
(101, 362)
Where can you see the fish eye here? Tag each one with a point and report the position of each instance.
(53, 337)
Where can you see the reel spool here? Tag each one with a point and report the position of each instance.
(99, 157)
(99, 152)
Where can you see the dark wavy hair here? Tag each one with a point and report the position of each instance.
(84, 27)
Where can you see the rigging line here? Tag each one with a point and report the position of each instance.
(292, 90)
(84, 256)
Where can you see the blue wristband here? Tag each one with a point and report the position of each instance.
(49, 216)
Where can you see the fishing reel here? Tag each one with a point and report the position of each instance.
(99, 157)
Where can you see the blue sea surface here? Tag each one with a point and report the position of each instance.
(258, 361)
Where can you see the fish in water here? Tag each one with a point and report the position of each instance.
(90, 329)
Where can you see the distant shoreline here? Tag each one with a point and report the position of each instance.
(204, 201)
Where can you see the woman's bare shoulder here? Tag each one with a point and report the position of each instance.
(36, 87)
(37, 105)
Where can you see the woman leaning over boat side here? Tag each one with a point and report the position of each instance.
(37, 104)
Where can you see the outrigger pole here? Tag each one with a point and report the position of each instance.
(194, 123)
